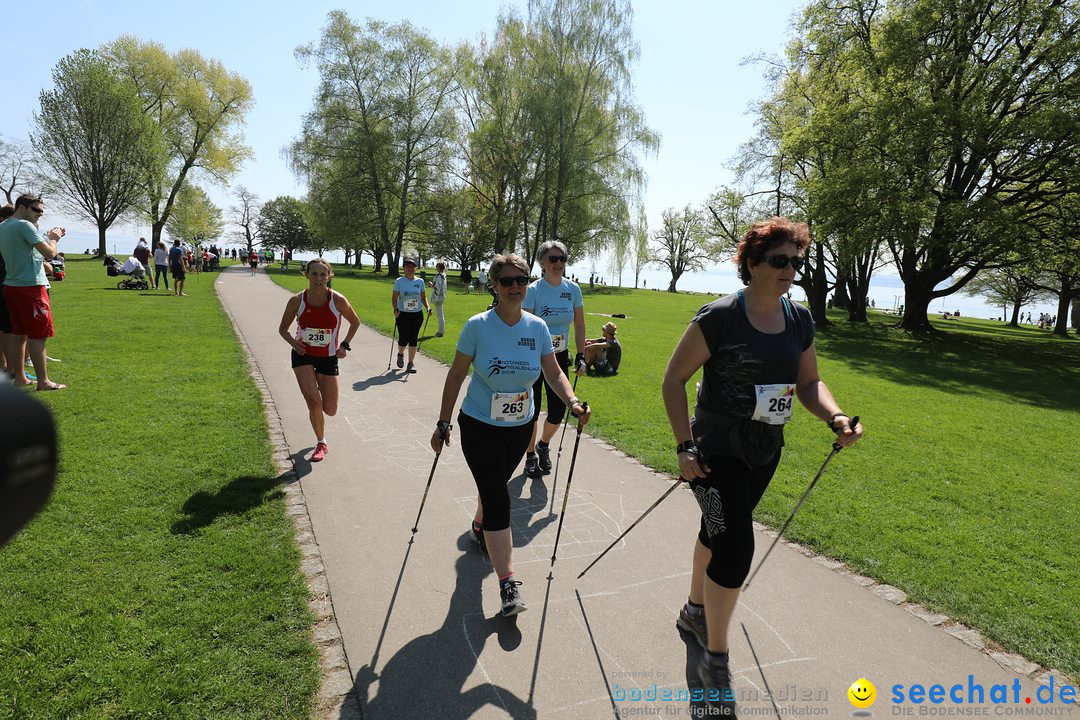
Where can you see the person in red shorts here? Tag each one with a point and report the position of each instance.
(316, 345)
(25, 251)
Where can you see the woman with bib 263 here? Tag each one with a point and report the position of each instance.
(557, 301)
(317, 345)
(408, 297)
(507, 350)
(757, 350)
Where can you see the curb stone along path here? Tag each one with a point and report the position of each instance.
(336, 680)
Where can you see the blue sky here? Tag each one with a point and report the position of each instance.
(689, 80)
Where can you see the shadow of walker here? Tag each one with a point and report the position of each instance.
(237, 497)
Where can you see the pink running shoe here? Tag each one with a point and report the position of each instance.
(320, 452)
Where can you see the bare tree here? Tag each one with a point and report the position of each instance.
(245, 215)
(682, 243)
(17, 169)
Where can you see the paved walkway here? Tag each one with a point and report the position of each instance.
(419, 615)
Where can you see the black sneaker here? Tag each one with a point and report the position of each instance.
(401, 360)
(716, 680)
(693, 624)
(532, 467)
(512, 604)
(478, 536)
(411, 368)
(543, 453)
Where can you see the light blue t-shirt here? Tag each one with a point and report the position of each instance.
(23, 261)
(506, 360)
(554, 304)
(410, 291)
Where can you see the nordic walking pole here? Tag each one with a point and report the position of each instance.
(566, 494)
(555, 477)
(421, 340)
(627, 530)
(836, 447)
(393, 337)
(416, 525)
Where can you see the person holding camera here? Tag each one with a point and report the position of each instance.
(25, 251)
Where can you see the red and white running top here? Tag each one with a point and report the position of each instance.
(317, 327)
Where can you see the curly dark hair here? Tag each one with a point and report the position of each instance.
(763, 236)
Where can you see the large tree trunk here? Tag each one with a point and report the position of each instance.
(1015, 322)
(101, 241)
(815, 284)
(917, 299)
(1076, 315)
(1061, 327)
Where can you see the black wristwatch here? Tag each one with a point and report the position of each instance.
(832, 421)
(687, 446)
(345, 345)
(442, 427)
(579, 360)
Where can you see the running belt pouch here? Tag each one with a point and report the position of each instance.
(755, 443)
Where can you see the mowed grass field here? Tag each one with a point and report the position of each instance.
(964, 491)
(162, 580)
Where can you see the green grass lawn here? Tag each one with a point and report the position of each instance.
(963, 492)
(162, 580)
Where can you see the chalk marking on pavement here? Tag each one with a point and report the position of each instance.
(766, 623)
(479, 663)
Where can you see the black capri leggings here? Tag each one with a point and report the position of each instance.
(727, 498)
(408, 328)
(556, 407)
(161, 272)
(493, 453)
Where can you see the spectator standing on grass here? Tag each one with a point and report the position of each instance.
(25, 251)
(178, 267)
(756, 352)
(161, 266)
(438, 296)
(5, 321)
(142, 254)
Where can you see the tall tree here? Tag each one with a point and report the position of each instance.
(194, 218)
(94, 139)
(283, 224)
(456, 229)
(197, 106)
(641, 254)
(1058, 257)
(682, 244)
(1011, 286)
(966, 109)
(245, 215)
(383, 104)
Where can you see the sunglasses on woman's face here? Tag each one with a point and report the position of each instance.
(782, 261)
(521, 280)
(556, 258)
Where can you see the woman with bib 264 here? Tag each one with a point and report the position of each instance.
(557, 301)
(408, 297)
(757, 351)
(507, 349)
(317, 345)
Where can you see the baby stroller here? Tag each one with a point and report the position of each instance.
(133, 269)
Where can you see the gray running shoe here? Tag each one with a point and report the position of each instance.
(716, 680)
(532, 467)
(695, 625)
(411, 368)
(512, 604)
(543, 454)
(400, 360)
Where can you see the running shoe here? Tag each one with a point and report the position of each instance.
(543, 453)
(715, 678)
(411, 368)
(512, 604)
(478, 536)
(320, 452)
(532, 467)
(438, 334)
(693, 624)
(401, 360)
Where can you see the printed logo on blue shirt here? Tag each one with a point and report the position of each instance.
(495, 367)
(566, 296)
(527, 342)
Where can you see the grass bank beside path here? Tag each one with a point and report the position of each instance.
(162, 580)
(963, 492)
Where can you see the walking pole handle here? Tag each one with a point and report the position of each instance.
(854, 423)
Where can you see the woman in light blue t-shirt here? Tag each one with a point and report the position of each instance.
(409, 300)
(507, 350)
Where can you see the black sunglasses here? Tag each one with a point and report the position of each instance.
(782, 261)
(557, 258)
(521, 280)
(38, 210)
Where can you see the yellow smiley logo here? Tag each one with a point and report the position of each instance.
(862, 693)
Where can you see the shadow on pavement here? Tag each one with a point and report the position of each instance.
(236, 498)
(426, 677)
(381, 379)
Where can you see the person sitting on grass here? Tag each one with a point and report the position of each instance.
(603, 355)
